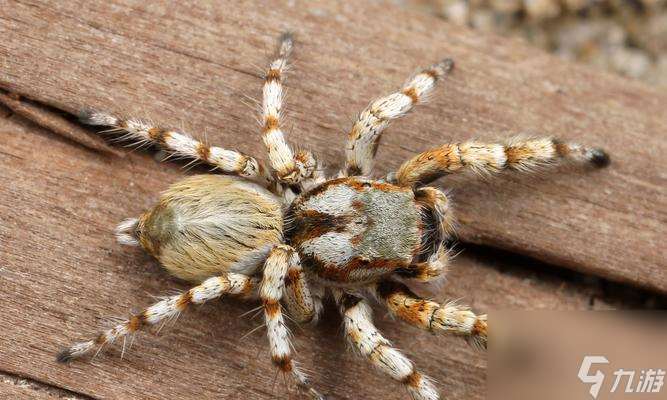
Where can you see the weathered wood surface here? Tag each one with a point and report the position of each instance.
(13, 387)
(63, 274)
(11, 391)
(191, 65)
(38, 114)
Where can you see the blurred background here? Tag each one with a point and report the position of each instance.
(627, 37)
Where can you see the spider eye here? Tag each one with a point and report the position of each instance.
(366, 184)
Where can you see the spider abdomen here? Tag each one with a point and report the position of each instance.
(205, 225)
(352, 230)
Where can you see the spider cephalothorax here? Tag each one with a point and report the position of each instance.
(352, 230)
(288, 234)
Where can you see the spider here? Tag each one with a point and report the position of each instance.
(290, 234)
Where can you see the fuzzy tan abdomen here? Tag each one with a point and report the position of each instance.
(205, 225)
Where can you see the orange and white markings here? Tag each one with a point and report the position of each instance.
(365, 133)
(164, 310)
(428, 315)
(519, 154)
(298, 298)
(179, 144)
(276, 267)
(364, 337)
(289, 168)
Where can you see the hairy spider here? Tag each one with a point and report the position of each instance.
(291, 234)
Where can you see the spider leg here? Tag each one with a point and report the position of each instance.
(180, 144)
(486, 158)
(165, 309)
(431, 316)
(365, 134)
(271, 291)
(303, 302)
(289, 168)
(365, 338)
(431, 269)
(437, 205)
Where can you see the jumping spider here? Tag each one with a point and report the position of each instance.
(291, 234)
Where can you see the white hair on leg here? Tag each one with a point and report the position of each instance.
(276, 267)
(519, 154)
(163, 310)
(366, 131)
(448, 318)
(364, 337)
(289, 168)
(179, 144)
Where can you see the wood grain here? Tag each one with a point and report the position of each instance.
(50, 120)
(193, 65)
(63, 276)
(14, 387)
(11, 391)
(195, 70)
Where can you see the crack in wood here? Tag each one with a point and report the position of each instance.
(33, 384)
(616, 294)
(52, 119)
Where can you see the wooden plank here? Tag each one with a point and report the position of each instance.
(196, 68)
(62, 275)
(57, 124)
(12, 387)
(10, 391)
